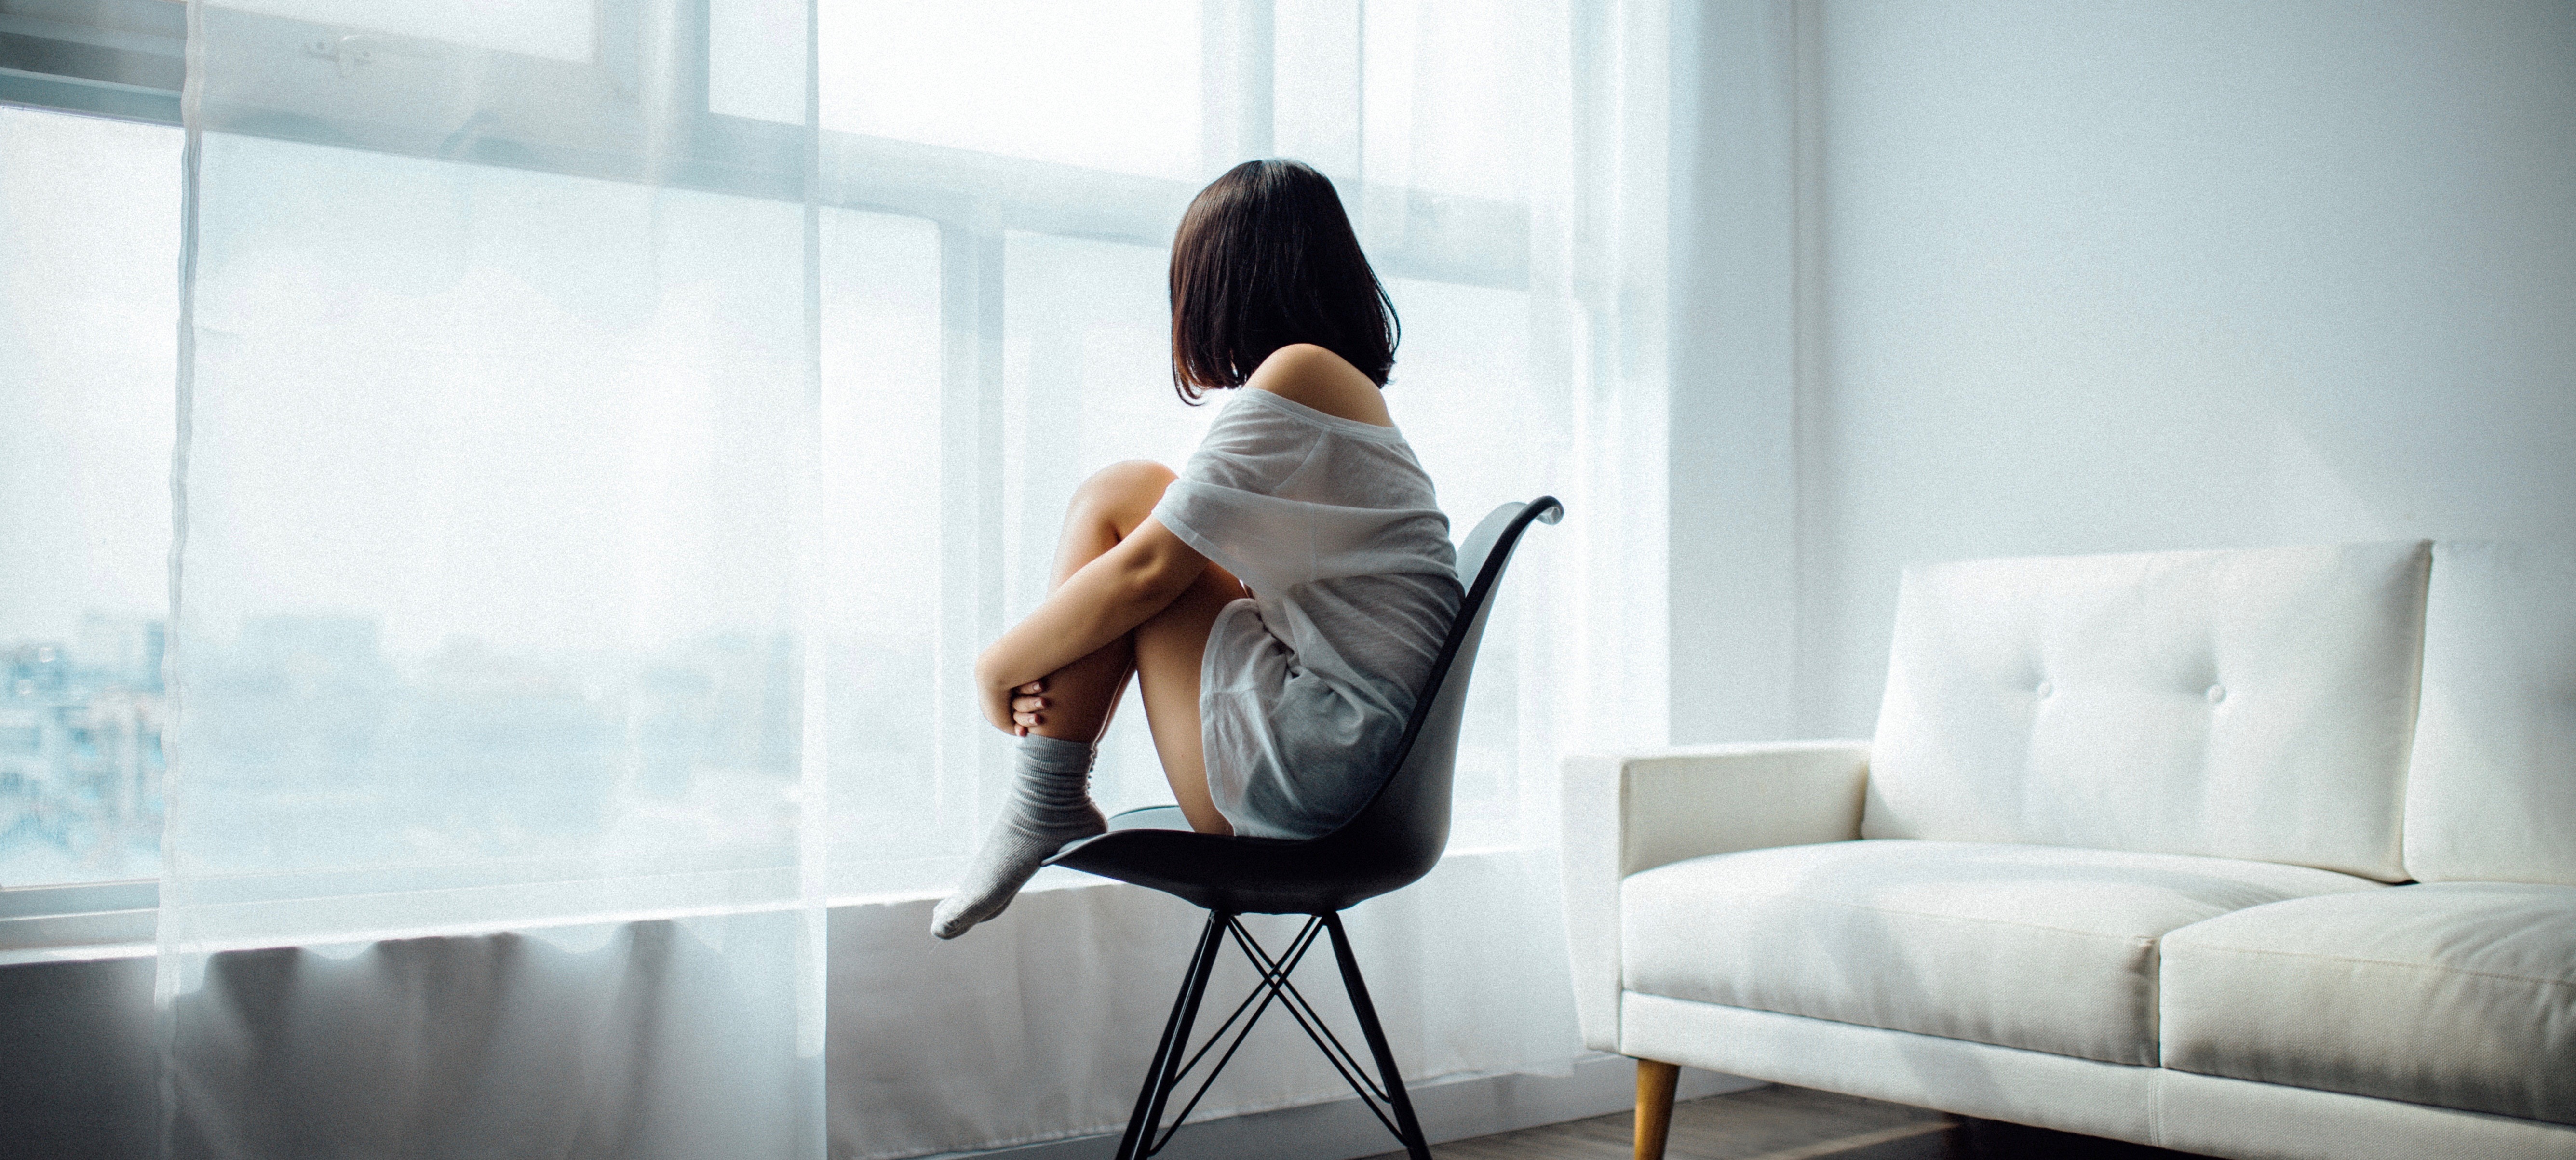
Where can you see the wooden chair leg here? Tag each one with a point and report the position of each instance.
(1655, 1080)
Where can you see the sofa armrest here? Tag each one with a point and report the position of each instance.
(1635, 811)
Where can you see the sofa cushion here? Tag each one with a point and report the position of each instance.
(2459, 995)
(2493, 793)
(2253, 704)
(2035, 947)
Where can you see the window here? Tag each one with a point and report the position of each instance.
(89, 225)
(993, 237)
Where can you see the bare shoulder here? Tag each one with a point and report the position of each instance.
(1305, 373)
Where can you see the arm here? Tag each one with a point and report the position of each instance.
(1106, 599)
(1626, 813)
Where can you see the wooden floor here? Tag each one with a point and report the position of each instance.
(1786, 1123)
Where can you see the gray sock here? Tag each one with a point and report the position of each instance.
(1050, 805)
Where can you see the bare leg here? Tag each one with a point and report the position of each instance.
(1061, 717)
(1168, 650)
(1080, 697)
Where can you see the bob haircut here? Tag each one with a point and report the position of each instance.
(1265, 257)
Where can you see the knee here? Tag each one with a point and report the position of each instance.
(1124, 492)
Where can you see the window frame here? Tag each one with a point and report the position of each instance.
(45, 922)
(109, 58)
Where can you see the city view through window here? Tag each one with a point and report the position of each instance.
(80, 754)
(89, 242)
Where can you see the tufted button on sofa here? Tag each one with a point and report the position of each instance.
(2254, 853)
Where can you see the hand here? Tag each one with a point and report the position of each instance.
(1016, 710)
(1026, 705)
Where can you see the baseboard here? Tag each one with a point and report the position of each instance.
(1455, 1108)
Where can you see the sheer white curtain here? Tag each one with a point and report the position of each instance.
(608, 431)
(89, 229)
(498, 540)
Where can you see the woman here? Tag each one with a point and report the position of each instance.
(1281, 599)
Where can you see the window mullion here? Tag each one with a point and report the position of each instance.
(1235, 81)
(970, 485)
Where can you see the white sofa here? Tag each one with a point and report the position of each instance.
(2253, 853)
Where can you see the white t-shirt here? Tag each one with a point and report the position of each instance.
(1305, 688)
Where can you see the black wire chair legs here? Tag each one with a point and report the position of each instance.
(1384, 1097)
(1165, 1073)
(1406, 1127)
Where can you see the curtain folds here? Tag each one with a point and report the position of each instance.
(497, 510)
(608, 430)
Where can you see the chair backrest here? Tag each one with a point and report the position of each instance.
(1399, 835)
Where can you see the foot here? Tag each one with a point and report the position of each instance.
(1012, 854)
(1050, 805)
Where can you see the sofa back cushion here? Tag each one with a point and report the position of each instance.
(2250, 704)
(2493, 793)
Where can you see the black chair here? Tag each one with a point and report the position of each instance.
(1394, 840)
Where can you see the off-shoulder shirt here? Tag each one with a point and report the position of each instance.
(1305, 688)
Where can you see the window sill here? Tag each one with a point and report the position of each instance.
(92, 920)
(118, 920)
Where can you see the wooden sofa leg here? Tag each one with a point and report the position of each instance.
(1655, 1080)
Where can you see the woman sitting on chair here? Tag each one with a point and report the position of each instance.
(1282, 599)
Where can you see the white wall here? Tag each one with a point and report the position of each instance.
(2128, 276)
(1733, 537)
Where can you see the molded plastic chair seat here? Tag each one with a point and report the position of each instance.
(1221, 873)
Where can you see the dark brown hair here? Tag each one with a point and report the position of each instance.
(1265, 257)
